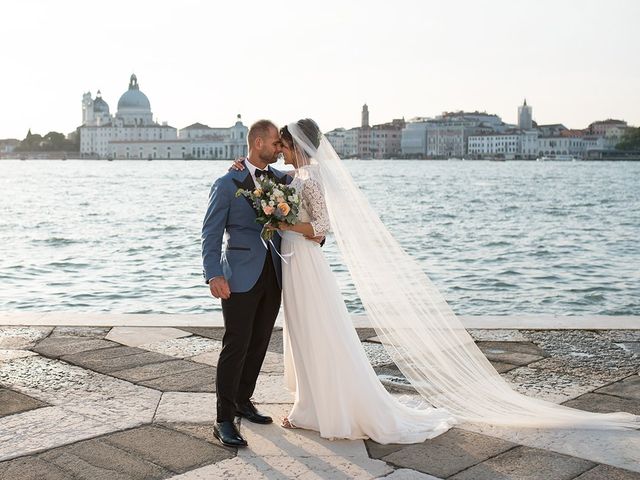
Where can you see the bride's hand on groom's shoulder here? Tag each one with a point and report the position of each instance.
(238, 164)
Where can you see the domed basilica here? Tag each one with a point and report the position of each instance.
(133, 134)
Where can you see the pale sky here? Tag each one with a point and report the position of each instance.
(206, 61)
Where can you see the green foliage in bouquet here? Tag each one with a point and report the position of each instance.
(273, 203)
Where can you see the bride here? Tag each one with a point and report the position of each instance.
(337, 392)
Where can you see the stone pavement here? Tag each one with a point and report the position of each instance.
(101, 402)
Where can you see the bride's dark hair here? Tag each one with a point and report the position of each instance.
(310, 129)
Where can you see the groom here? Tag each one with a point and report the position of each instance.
(247, 277)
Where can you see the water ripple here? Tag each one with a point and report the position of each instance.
(495, 237)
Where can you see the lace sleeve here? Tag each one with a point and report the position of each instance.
(316, 206)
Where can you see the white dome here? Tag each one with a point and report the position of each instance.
(134, 99)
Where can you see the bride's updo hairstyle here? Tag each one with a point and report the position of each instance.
(308, 127)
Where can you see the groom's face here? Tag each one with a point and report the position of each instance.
(271, 146)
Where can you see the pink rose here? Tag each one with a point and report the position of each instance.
(268, 210)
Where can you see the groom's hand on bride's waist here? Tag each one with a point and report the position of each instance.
(319, 239)
(219, 288)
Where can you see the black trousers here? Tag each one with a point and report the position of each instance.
(248, 321)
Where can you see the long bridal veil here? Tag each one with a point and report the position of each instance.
(419, 330)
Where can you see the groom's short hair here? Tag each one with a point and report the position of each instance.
(259, 129)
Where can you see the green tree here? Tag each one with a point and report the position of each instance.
(30, 143)
(51, 142)
(56, 142)
(630, 140)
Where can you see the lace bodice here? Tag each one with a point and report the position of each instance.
(313, 208)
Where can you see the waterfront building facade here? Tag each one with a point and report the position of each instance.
(132, 132)
(447, 134)
(476, 135)
(413, 142)
(381, 141)
(558, 145)
(514, 144)
(8, 145)
(505, 145)
(608, 128)
(344, 142)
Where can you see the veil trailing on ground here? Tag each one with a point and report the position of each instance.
(415, 324)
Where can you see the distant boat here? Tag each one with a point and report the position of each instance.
(557, 158)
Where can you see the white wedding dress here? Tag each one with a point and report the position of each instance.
(337, 392)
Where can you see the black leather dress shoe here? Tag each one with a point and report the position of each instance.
(228, 434)
(249, 412)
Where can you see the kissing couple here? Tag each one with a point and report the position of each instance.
(337, 393)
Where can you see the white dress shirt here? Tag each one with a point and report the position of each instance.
(252, 170)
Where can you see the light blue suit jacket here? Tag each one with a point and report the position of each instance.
(233, 219)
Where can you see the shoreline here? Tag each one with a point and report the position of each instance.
(214, 319)
(493, 160)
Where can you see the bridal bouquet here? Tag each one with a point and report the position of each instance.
(273, 203)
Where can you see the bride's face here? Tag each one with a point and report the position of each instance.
(289, 154)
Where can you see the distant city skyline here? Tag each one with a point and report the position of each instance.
(574, 61)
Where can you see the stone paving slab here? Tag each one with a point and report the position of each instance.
(621, 335)
(156, 370)
(498, 335)
(31, 468)
(448, 453)
(407, 474)
(184, 347)
(6, 354)
(197, 380)
(15, 338)
(203, 431)
(180, 407)
(619, 448)
(523, 463)
(88, 332)
(60, 383)
(271, 389)
(14, 402)
(581, 368)
(606, 472)
(377, 354)
(597, 402)
(106, 360)
(168, 448)
(627, 388)
(95, 459)
(215, 333)
(514, 353)
(286, 468)
(135, 336)
(48, 427)
(630, 347)
(58, 346)
(555, 387)
(502, 367)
